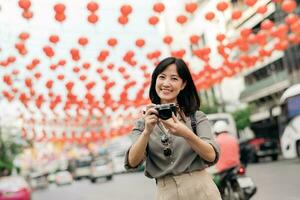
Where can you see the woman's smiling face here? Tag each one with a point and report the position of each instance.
(168, 85)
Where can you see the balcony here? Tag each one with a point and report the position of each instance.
(265, 87)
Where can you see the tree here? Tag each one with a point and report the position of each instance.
(242, 118)
(207, 109)
(8, 151)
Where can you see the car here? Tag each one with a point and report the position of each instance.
(14, 187)
(82, 167)
(51, 178)
(262, 147)
(101, 167)
(118, 162)
(63, 178)
(38, 180)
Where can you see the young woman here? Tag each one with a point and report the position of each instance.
(175, 155)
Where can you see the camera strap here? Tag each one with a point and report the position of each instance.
(193, 123)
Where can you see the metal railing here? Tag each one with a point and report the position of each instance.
(264, 83)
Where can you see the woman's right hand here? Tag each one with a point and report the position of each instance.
(151, 118)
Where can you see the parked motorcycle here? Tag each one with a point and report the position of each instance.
(234, 184)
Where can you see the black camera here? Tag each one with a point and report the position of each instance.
(165, 110)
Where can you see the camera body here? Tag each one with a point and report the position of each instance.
(165, 110)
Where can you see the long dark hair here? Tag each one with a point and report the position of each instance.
(188, 98)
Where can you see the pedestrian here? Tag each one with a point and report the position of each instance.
(176, 147)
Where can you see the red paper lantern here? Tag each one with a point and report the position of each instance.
(59, 8)
(168, 39)
(24, 36)
(288, 6)
(112, 42)
(54, 39)
(75, 54)
(281, 45)
(35, 62)
(126, 10)
(53, 67)
(295, 27)
(158, 7)
(76, 69)
(110, 66)
(48, 51)
(261, 38)
(69, 86)
(236, 14)
(209, 16)
(20, 47)
(93, 18)
(181, 19)
(86, 65)
(11, 59)
(293, 38)
(103, 55)
(37, 75)
(245, 32)
(27, 14)
(49, 84)
(62, 62)
(178, 54)
(60, 77)
(83, 41)
(194, 39)
(90, 85)
(262, 9)
(121, 70)
(222, 6)
(267, 24)
(220, 37)
(191, 7)
(28, 82)
(291, 18)
(140, 43)
(60, 17)
(24, 4)
(123, 20)
(82, 77)
(92, 6)
(15, 72)
(99, 70)
(250, 2)
(153, 20)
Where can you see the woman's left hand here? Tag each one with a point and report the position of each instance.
(176, 127)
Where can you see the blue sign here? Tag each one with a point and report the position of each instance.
(293, 106)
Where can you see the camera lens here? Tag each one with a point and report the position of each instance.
(165, 114)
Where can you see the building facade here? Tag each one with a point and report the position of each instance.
(267, 80)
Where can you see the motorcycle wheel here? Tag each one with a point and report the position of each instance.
(227, 192)
(233, 192)
(238, 192)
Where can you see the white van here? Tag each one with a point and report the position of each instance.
(289, 122)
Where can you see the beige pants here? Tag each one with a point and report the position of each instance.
(196, 185)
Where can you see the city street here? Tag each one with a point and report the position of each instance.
(83, 81)
(275, 181)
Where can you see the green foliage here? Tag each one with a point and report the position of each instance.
(8, 151)
(242, 118)
(208, 109)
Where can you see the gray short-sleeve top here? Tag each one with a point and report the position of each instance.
(183, 159)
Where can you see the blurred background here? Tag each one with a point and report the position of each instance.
(75, 76)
